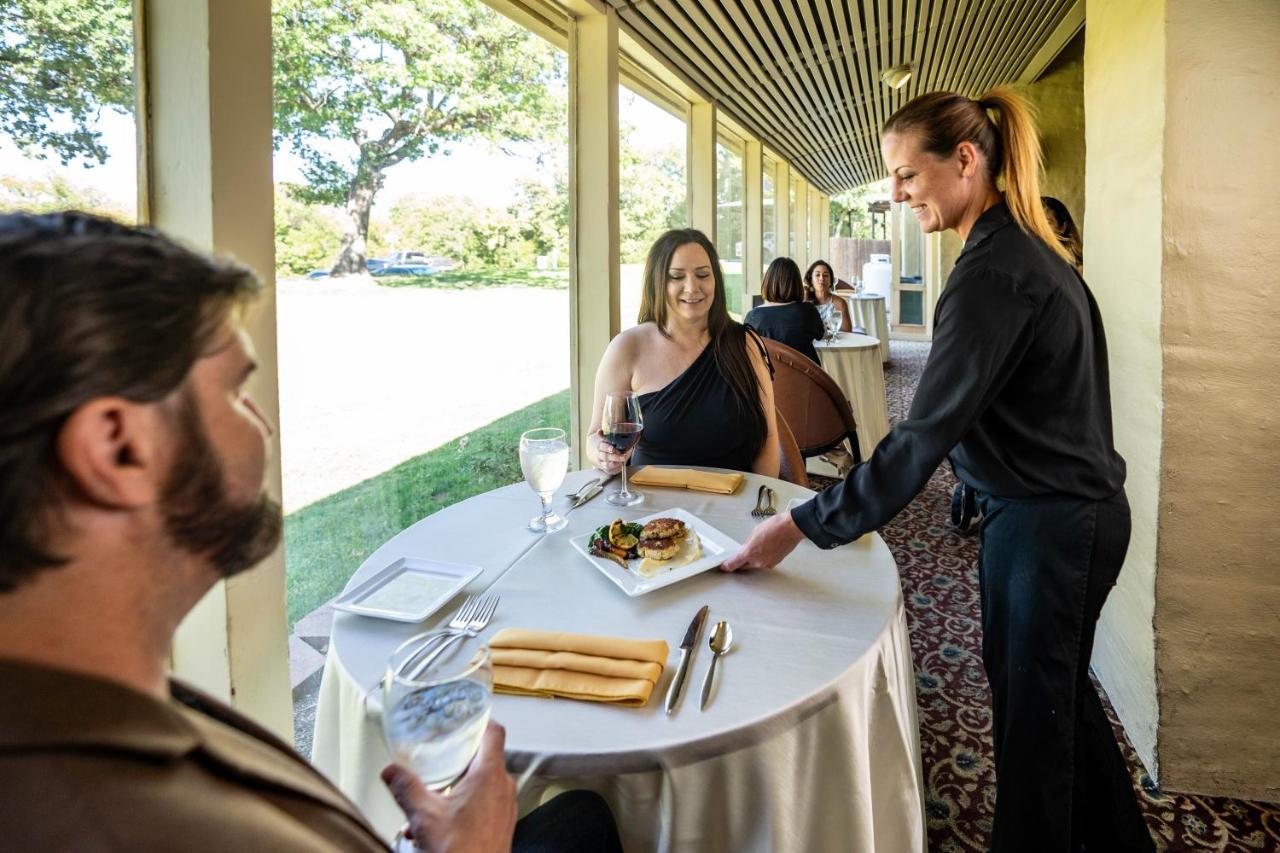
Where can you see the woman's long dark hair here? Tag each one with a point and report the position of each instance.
(728, 337)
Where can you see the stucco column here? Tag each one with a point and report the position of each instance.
(1181, 253)
(702, 168)
(205, 127)
(593, 209)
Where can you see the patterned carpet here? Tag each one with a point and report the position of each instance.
(940, 585)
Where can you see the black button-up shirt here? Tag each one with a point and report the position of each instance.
(1015, 393)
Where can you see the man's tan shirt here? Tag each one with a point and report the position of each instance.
(88, 765)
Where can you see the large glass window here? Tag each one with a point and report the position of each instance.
(653, 187)
(67, 129)
(791, 219)
(769, 217)
(422, 244)
(911, 273)
(729, 235)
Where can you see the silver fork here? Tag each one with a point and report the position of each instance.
(479, 621)
(461, 619)
(762, 508)
(772, 509)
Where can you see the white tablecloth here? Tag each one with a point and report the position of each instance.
(870, 313)
(853, 361)
(810, 741)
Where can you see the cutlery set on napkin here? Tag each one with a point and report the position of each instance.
(614, 670)
(670, 478)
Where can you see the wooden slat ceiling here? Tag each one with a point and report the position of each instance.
(804, 75)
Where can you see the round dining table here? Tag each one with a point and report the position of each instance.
(809, 741)
(853, 361)
(868, 310)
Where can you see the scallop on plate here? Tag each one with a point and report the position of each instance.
(701, 547)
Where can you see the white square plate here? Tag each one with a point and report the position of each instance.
(408, 590)
(716, 548)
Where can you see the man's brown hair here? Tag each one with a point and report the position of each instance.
(89, 308)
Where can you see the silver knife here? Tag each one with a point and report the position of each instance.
(594, 489)
(687, 647)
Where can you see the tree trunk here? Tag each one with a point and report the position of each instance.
(354, 247)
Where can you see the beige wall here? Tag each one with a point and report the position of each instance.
(1217, 588)
(1058, 98)
(1124, 98)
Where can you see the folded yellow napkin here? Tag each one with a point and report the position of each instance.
(576, 666)
(688, 478)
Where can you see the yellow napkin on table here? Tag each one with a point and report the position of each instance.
(688, 478)
(576, 666)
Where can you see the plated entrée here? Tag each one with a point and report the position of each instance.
(661, 545)
(656, 551)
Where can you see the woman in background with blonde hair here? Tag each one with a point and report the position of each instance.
(1016, 394)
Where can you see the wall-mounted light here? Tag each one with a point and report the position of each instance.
(897, 76)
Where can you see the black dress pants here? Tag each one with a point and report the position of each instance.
(573, 822)
(1045, 567)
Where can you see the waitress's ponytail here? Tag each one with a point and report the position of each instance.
(999, 124)
(1020, 164)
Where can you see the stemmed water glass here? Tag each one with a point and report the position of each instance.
(621, 425)
(433, 720)
(833, 323)
(544, 459)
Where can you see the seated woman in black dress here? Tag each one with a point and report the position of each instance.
(702, 379)
(784, 316)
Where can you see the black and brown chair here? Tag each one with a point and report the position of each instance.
(791, 467)
(814, 407)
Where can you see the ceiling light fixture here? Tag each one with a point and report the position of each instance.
(897, 76)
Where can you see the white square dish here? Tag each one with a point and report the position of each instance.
(716, 548)
(408, 590)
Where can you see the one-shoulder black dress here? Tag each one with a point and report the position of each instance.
(695, 420)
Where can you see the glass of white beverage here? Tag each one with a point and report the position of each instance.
(433, 719)
(544, 458)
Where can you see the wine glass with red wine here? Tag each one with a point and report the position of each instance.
(622, 425)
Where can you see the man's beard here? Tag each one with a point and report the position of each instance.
(198, 515)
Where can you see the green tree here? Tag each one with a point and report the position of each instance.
(652, 194)
(362, 86)
(849, 214)
(306, 234)
(57, 193)
(61, 63)
(454, 227)
(542, 211)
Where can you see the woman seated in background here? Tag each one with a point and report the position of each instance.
(703, 381)
(784, 316)
(1065, 227)
(819, 285)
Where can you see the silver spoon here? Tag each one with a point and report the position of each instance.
(721, 640)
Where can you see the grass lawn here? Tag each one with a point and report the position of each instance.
(478, 278)
(327, 541)
(733, 294)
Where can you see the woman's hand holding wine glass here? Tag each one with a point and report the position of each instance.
(608, 459)
(621, 427)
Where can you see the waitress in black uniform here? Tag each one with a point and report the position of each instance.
(1016, 395)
